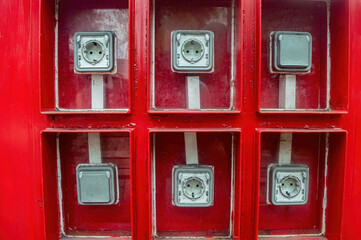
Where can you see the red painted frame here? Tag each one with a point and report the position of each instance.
(24, 76)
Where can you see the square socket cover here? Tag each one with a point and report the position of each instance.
(193, 185)
(94, 52)
(287, 184)
(292, 52)
(97, 184)
(192, 51)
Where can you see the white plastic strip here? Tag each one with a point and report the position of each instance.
(287, 92)
(97, 91)
(324, 202)
(285, 150)
(190, 140)
(60, 191)
(95, 154)
(193, 92)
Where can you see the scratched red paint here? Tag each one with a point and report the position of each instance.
(29, 207)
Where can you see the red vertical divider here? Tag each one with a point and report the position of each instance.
(351, 217)
(248, 121)
(141, 200)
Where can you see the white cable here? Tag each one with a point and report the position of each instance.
(97, 91)
(193, 92)
(190, 140)
(287, 92)
(285, 149)
(95, 154)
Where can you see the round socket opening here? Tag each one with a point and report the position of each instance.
(93, 51)
(290, 186)
(192, 50)
(193, 188)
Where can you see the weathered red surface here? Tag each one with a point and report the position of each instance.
(28, 185)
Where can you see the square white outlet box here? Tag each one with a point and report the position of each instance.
(97, 184)
(287, 184)
(94, 52)
(291, 52)
(192, 51)
(193, 186)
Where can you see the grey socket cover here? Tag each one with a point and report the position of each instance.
(193, 185)
(292, 52)
(94, 52)
(97, 184)
(287, 184)
(192, 51)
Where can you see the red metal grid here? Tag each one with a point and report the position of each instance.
(27, 188)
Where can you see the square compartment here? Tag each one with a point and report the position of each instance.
(323, 152)
(66, 92)
(218, 150)
(63, 152)
(218, 90)
(322, 90)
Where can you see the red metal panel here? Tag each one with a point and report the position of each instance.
(352, 211)
(27, 186)
(19, 176)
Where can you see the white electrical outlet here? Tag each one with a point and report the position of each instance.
(193, 186)
(291, 52)
(192, 51)
(94, 52)
(97, 184)
(287, 184)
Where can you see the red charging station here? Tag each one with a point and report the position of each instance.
(218, 119)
